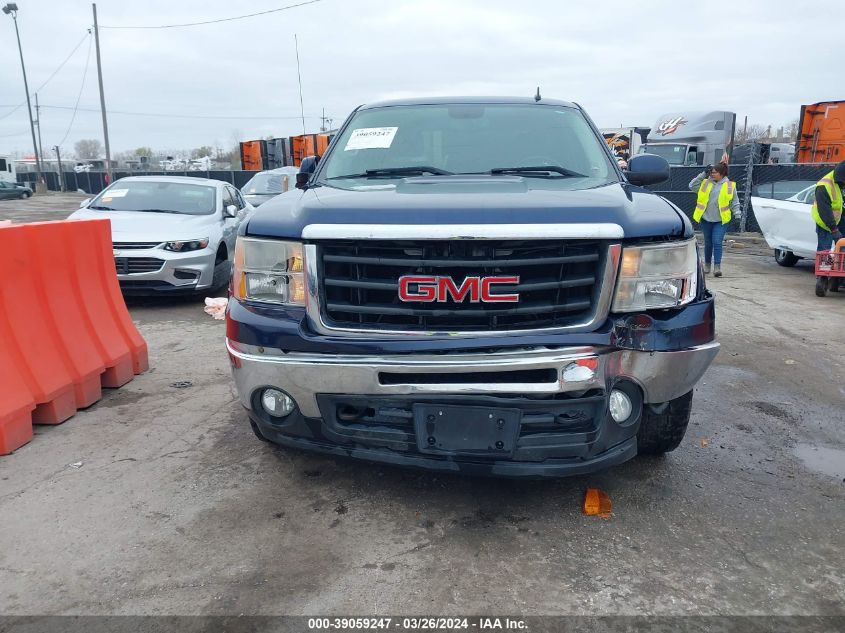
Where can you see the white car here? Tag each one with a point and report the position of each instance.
(170, 234)
(788, 226)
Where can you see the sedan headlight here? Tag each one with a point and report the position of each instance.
(657, 276)
(183, 246)
(269, 271)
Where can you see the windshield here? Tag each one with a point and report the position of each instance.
(161, 196)
(469, 139)
(266, 183)
(673, 153)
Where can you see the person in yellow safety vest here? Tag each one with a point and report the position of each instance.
(716, 205)
(827, 214)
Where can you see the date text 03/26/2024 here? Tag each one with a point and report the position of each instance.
(416, 624)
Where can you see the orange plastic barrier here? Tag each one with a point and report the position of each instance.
(65, 328)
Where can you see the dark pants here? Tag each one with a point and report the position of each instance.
(826, 237)
(714, 235)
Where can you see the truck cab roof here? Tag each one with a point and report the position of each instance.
(468, 101)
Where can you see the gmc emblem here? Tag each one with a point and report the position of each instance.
(428, 289)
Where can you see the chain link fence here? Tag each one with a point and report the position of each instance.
(768, 181)
(93, 182)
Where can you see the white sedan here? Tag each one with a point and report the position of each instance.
(170, 234)
(788, 226)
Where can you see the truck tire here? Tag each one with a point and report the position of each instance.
(821, 286)
(663, 426)
(784, 258)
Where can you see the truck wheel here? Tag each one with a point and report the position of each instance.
(821, 286)
(785, 258)
(663, 426)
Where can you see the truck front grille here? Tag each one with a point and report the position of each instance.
(559, 283)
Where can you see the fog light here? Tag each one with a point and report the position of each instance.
(620, 405)
(277, 403)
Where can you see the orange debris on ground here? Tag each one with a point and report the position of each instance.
(597, 503)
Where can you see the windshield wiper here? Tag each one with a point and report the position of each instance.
(160, 211)
(386, 172)
(542, 171)
(98, 208)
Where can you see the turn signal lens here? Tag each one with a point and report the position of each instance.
(269, 271)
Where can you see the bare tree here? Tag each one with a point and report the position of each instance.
(791, 130)
(202, 151)
(754, 132)
(86, 149)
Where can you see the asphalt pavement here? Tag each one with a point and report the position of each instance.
(159, 499)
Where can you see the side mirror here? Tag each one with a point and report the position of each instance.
(84, 203)
(306, 169)
(231, 211)
(647, 169)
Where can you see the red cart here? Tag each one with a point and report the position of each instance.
(830, 268)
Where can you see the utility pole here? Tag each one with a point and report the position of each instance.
(323, 121)
(299, 76)
(12, 9)
(38, 123)
(102, 94)
(61, 173)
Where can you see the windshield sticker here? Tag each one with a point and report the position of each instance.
(117, 193)
(371, 138)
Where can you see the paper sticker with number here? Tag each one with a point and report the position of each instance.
(371, 138)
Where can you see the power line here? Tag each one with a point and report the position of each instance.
(79, 96)
(54, 73)
(237, 17)
(181, 116)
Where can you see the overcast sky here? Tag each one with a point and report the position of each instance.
(625, 62)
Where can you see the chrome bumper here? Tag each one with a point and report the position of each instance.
(661, 375)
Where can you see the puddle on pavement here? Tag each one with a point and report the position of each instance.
(820, 459)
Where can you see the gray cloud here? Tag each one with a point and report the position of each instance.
(625, 62)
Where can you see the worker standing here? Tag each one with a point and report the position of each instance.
(827, 213)
(716, 205)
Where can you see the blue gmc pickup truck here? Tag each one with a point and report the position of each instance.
(471, 285)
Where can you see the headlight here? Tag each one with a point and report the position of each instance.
(657, 276)
(182, 246)
(269, 271)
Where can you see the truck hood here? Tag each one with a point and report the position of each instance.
(470, 200)
(143, 226)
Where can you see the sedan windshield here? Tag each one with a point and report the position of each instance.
(157, 196)
(531, 141)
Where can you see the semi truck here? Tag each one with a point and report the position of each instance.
(692, 138)
(821, 133)
(471, 285)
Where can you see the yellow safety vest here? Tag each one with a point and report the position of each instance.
(835, 194)
(726, 194)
